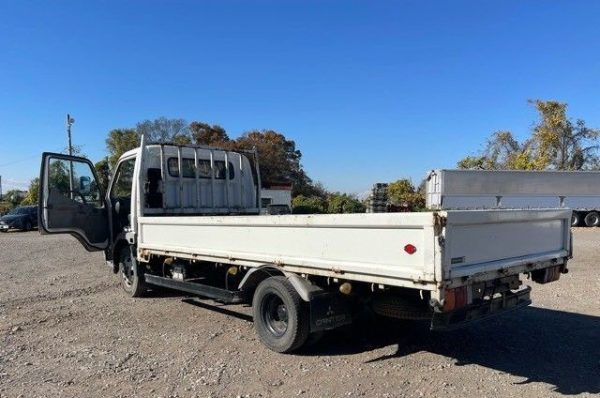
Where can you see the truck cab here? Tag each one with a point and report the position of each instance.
(174, 180)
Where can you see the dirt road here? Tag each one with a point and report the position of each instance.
(68, 330)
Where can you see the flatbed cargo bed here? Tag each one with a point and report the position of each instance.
(448, 245)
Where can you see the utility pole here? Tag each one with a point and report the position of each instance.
(70, 122)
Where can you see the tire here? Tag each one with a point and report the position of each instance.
(27, 226)
(592, 219)
(131, 274)
(399, 308)
(281, 318)
(576, 219)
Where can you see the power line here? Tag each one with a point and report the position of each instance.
(19, 160)
(37, 155)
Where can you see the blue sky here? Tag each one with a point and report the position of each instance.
(370, 91)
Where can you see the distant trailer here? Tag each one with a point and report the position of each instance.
(486, 189)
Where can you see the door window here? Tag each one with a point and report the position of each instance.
(75, 181)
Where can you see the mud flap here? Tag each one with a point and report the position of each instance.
(328, 311)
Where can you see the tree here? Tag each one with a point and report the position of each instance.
(31, 198)
(14, 197)
(308, 205)
(503, 151)
(58, 175)
(120, 141)
(562, 144)
(205, 134)
(556, 143)
(279, 159)
(344, 203)
(402, 193)
(103, 171)
(165, 130)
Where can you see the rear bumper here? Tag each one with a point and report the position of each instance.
(486, 309)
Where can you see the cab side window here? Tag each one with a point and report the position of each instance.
(121, 187)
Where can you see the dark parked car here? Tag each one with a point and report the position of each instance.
(22, 217)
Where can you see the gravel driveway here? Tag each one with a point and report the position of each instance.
(68, 330)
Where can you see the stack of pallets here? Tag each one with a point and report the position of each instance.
(377, 202)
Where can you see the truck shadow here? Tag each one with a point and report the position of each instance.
(540, 345)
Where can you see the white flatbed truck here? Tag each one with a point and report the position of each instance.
(187, 218)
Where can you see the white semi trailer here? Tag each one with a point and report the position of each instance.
(500, 189)
(187, 218)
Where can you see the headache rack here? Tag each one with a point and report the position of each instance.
(230, 185)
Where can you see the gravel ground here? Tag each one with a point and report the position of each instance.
(68, 330)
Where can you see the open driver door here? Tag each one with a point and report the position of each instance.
(71, 201)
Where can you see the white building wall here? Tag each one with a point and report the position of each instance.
(278, 196)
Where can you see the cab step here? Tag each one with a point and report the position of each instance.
(215, 293)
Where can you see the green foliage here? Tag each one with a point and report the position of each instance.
(556, 143)
(335, 203)
(561, 143)
(308, 205)
(5, 207)
(13, 197)
(58, 175)
(32, 193)
(103, 171)
(162, 129)
(205, 134)
(402, 193)
(279, 160)
(120, 141)
(165, 130)
(278, 156)
(344, 203)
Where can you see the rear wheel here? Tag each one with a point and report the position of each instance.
(281, 318)
(592, 219)
(132, 278)
(576, 219)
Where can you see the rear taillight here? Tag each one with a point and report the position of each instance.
(410, 249)
(456, 298)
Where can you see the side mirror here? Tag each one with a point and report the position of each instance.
(85, 184)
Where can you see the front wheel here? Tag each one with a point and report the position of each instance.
(281, 318)
(132, 278)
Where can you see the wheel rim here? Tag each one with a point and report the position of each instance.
(127, 269)
(275, 315)
(592, 219)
